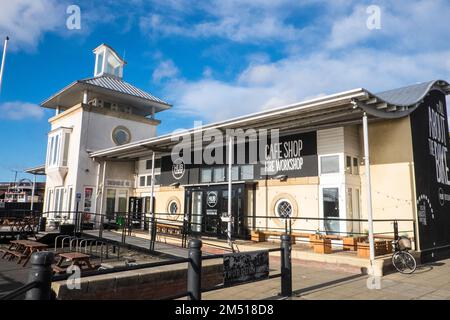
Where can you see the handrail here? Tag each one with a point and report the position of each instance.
(123, 268)
(19, 291)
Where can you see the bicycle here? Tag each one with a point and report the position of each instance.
(402, 260)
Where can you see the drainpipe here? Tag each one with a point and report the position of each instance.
(230, 162)
(369, 191)
(152, 213)
(101, 199)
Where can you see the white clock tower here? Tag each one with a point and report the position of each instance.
(91, 114)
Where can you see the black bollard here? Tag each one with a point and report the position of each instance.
(41, 272)
(194, 272)
(286, 266)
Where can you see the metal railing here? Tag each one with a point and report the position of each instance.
(183, 226)
(40, 276)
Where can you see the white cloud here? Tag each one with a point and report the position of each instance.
(18, 110)
(165, 70)
(239, 21)
(289, 80)
(405, 25)
(26, 21)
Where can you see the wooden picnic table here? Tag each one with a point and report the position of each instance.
(23, 249)
(75, 258)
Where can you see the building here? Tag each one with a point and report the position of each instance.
(103, 150)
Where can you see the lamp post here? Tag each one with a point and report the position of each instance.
(3, 62)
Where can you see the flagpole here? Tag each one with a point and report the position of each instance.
(3, 62)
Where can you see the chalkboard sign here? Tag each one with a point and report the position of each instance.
(245, 266)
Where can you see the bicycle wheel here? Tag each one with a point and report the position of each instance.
(404, 262)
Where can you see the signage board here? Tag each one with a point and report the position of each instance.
(430, 140)
(245, 266)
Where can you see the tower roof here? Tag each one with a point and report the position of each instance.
(113, 87)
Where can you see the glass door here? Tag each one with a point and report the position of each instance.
(331, 210)
(196, 211)
(122, 201)
(212, 218)
(110, 203)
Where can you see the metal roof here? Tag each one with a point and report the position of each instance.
(339, 109)
(117, 84)
(408, 95)
(109, 86)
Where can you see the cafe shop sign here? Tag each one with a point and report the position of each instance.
(245, 266)
(294, 155)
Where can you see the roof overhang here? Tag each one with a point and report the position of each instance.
(72, 95)
(339, 109)
(37, 171)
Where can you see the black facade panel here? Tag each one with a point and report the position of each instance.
(430, 138)
(293, 156)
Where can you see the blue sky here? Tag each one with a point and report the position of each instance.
(212, 59)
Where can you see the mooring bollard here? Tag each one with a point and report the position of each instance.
(194, 272)
(41, 272)
(286, 266)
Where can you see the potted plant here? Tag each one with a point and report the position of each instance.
(258, 236)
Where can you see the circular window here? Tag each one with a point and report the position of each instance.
(283, 208)
(173, 207)
(121, 135)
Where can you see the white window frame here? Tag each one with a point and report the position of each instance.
(342, 205)
(341, 165)
(55, 150)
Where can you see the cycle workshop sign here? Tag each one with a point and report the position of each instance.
(245, 266)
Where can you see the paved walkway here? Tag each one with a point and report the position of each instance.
(431, 281)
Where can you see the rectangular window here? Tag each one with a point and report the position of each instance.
(110, 203)
(219, 174)
(348, 164)
(234, 173)
(355, 166)
(329, 164)
(149, 180)
(59, 194)
(49, 200)
(206, 175)
(66, 149)
(99, 63)
(69, 200)
(148, 164)
(142, 181)
(247, 172)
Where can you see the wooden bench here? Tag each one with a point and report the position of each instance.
(168, 228)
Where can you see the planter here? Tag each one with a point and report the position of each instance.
(322, 246)
(382, 247)
(313, 238)
(258, 236)
(351, 243)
